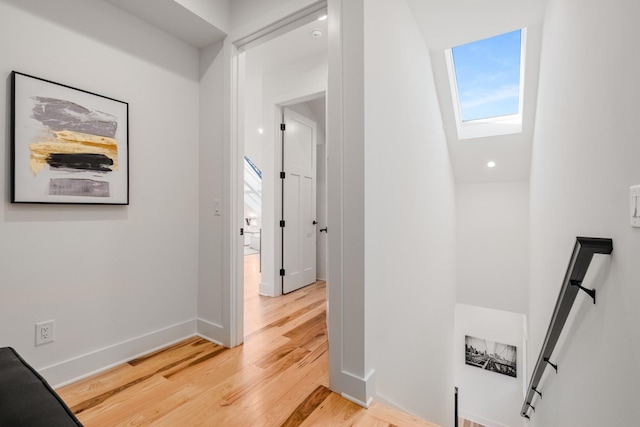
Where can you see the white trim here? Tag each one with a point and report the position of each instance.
(265, 289)
(354, 385)
(366, 404)
(233, 168)
(210, 331)
(86, 365)
(283, 25)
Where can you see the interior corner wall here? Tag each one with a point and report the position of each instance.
(585, 158)
(409, 220)
(492, 245)
(118, 280)
(211, 300)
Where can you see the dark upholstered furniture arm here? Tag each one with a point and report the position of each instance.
(26, 400)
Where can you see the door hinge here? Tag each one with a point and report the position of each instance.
(282, 175)
(282, 223)
(242, 231)
(282, 272)
(282, 127)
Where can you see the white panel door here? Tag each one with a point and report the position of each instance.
(299, 201)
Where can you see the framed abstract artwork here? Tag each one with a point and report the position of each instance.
(68, 145)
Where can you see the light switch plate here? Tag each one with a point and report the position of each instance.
(634, 205)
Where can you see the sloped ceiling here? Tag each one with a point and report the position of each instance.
(449, 23)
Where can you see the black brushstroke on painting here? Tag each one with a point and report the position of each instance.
(82, 161)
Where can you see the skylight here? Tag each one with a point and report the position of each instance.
(486, 79)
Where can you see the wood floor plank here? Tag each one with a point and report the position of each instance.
(466, 423)
(335, 411)
(302, 412)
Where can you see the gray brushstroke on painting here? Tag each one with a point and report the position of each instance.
(78, 187)
(59, 114)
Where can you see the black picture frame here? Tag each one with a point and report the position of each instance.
(491, 356)
(68, 145)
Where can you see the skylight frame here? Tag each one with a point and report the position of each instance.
(492, 126)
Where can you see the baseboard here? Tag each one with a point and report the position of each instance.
(481, 420)
(266, 290)
(211, 331)
(381, 399)
(77, 368)
(358, 402)
(357, 389)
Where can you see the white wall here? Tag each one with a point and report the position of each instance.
(253, 121)
(409, 198)
(492, 245)
(585, 157)
(489, 398)
(118, 280)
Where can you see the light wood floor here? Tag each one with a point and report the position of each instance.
(278, 377)
(466, 423)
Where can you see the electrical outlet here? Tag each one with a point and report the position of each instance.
(44, 332)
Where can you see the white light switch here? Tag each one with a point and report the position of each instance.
(634, 205)
(217, 207)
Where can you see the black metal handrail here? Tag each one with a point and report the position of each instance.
(583, 252)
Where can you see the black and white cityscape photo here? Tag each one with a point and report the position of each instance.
(490, 355)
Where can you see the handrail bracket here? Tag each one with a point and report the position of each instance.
(590, 292)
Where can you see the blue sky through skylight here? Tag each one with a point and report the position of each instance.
(488, 76)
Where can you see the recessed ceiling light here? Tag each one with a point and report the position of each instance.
(491, 164)
(260, 131)
(316, 33)
(322, 18)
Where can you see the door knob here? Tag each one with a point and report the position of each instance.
(315, 222)
(323, 230)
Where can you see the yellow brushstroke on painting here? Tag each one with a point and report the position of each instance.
(69, 142)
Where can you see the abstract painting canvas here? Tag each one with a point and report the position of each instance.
(69, 145)
(491, 356)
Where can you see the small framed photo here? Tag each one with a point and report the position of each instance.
(491, 356)
(68, 145)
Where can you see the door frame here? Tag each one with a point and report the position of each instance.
(350, 371)
(233, 296)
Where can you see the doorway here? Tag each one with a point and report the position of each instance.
(288, 71)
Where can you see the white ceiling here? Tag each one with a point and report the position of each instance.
(444, 24)
(174, 18)
(296, 45)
